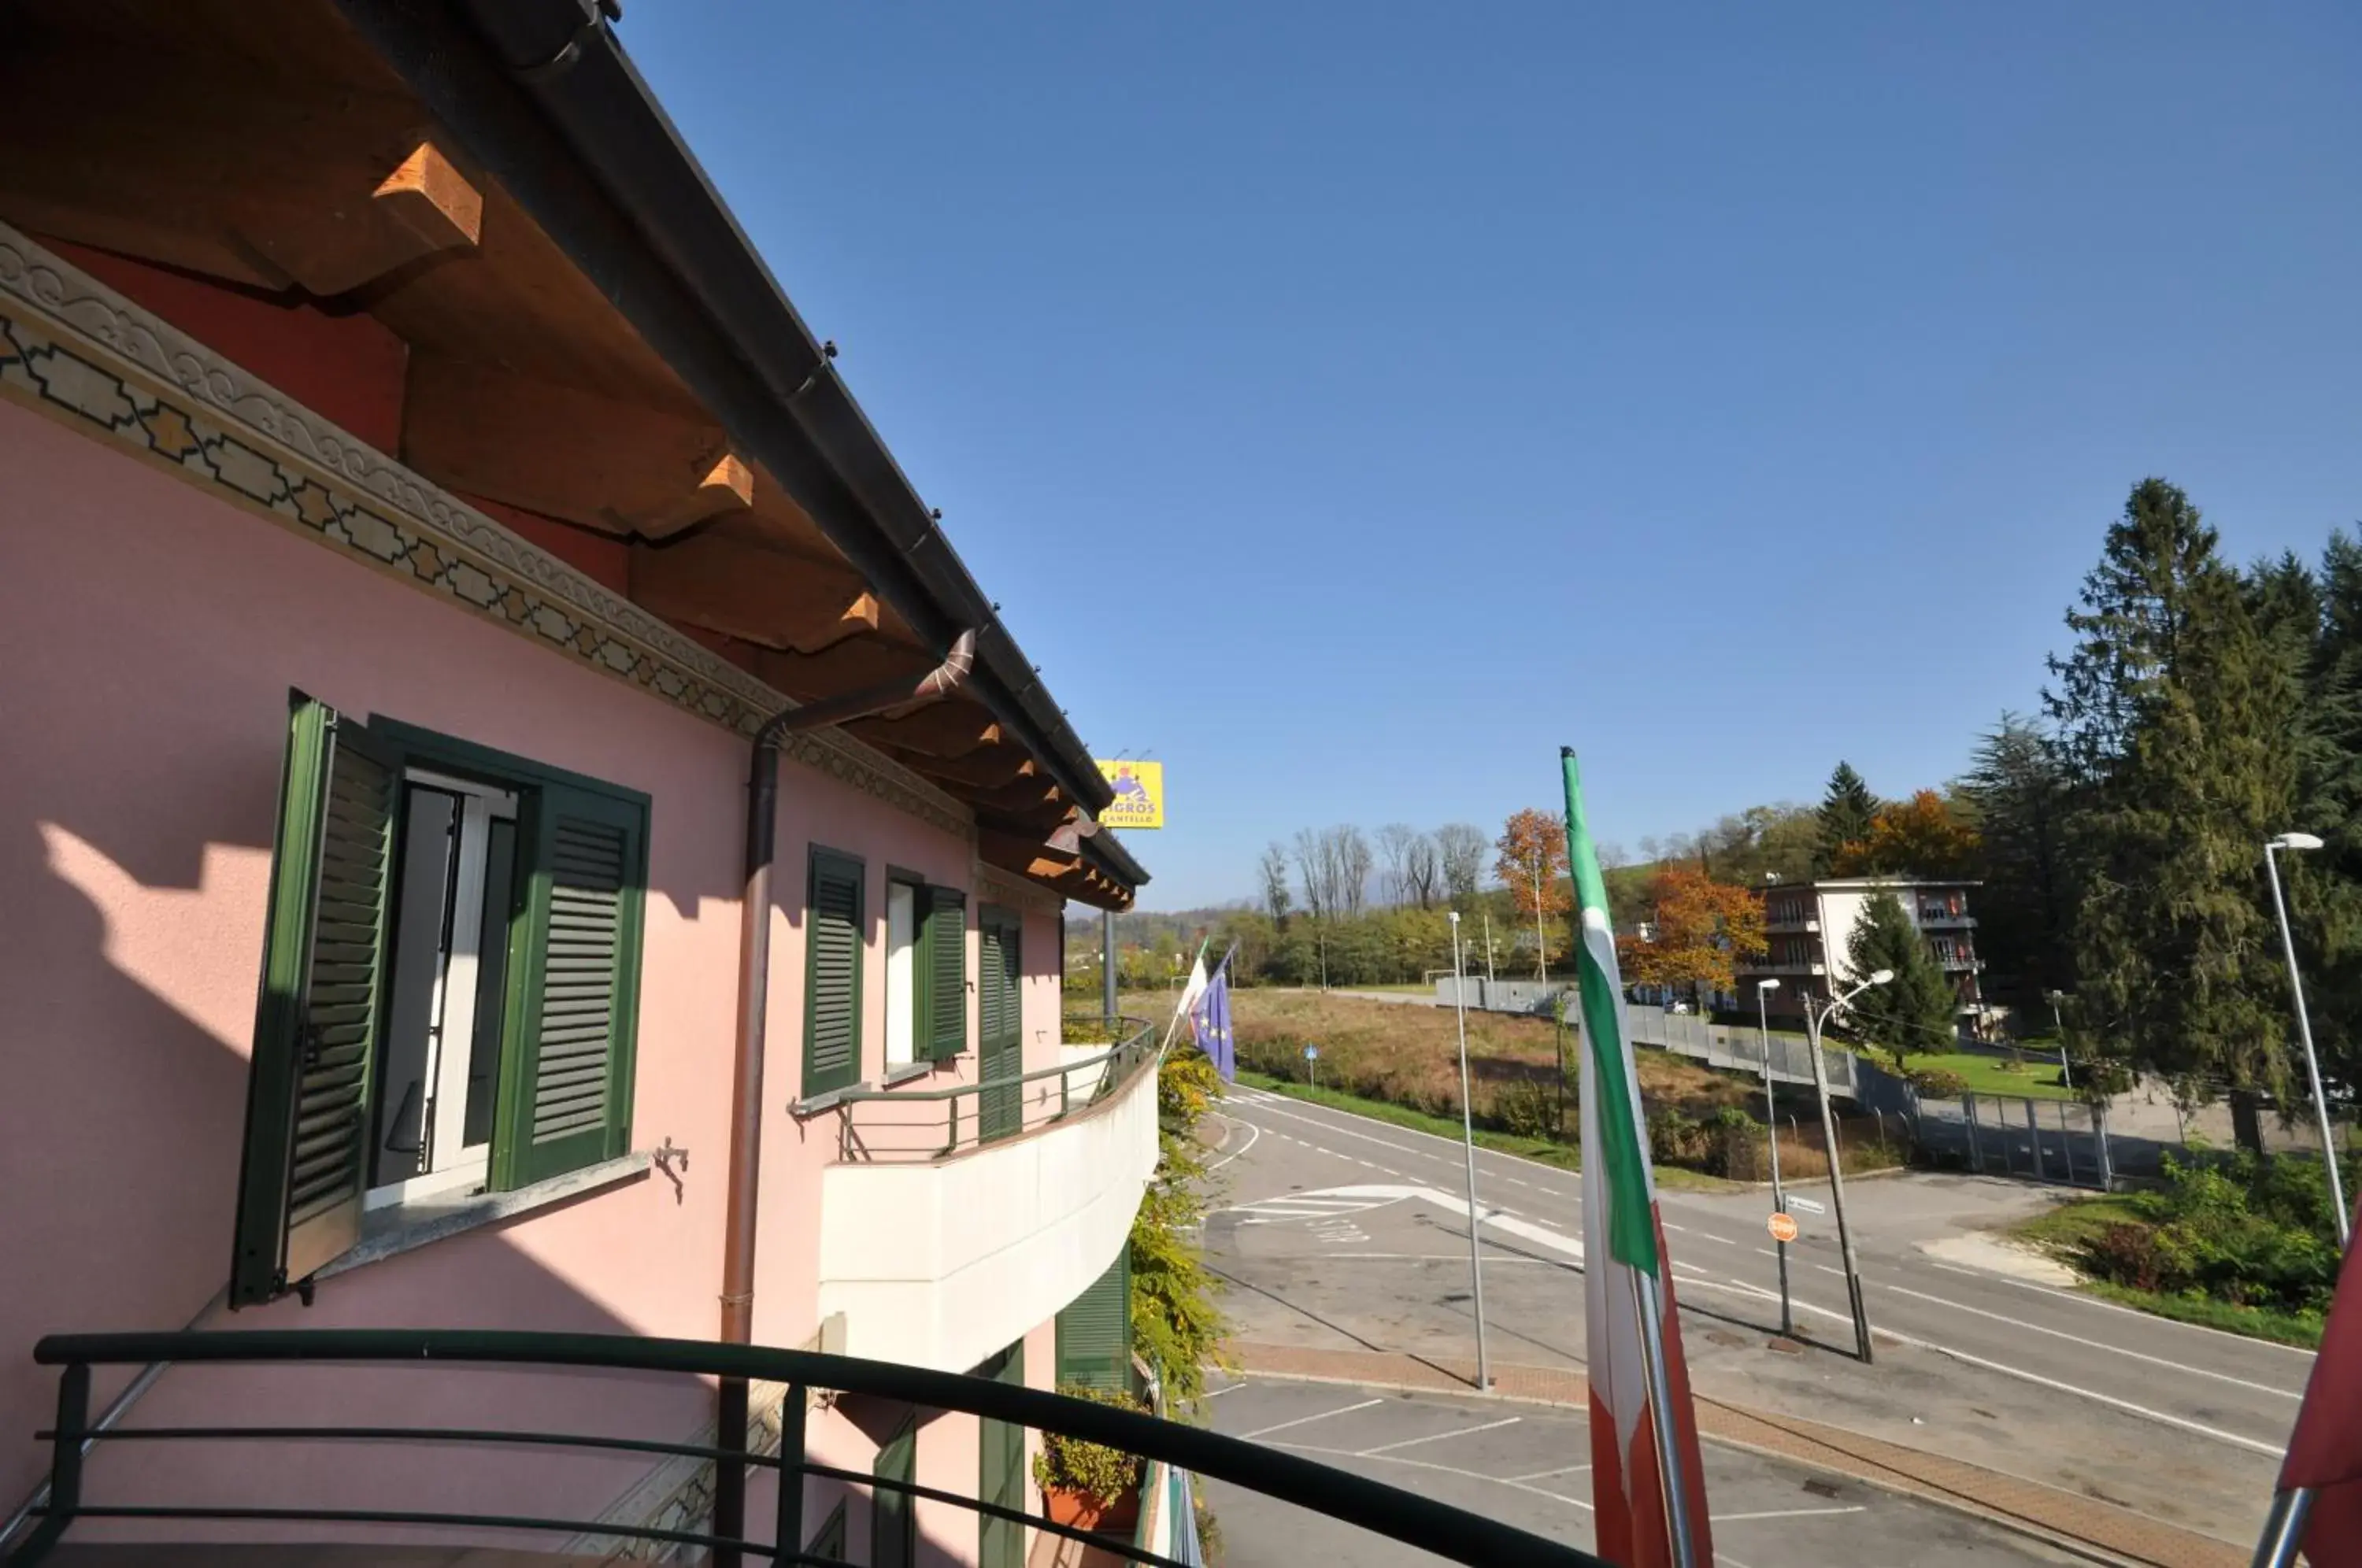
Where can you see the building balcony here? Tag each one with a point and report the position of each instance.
(957, 1219)
(1937, 920)
(1769, 967)
(1792, 927)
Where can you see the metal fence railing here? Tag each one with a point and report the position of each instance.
(918, 1124)
(2048, 1140)
(730, 1532)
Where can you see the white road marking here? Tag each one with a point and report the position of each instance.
(1515, 1181)
(1438, 1437)
(2096, 1345)
(2118, 1307)
(1255, 1136)
(1495, 1261)
(1825, 1268)
(2018, 1372)
(1785, 1514)
(1684, 1229)
(1448, 1470)
(1562, 1470)
(1225, 1388)
(1307, 1420)
(1710, 1236)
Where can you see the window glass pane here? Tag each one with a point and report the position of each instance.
(422, 920)
(491, 983)
(902, 971)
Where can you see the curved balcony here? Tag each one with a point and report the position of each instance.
(955, 1220)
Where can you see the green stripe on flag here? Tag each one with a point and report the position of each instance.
(1623, 1163)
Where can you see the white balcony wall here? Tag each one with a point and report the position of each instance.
(941, 1264)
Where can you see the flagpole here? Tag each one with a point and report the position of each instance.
(2284, 1529)
(1468, 1135)
(1660, 1419)
(1174, 1022)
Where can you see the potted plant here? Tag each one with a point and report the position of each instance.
(1089, 1485)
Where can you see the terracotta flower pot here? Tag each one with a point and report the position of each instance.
(1098, 1514)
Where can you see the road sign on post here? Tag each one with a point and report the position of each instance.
(1312, 1064)
(1783, 1227)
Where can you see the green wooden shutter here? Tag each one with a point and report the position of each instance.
(1095, 1329)
(574, 947)
(832, 935)
(893, 1543)
(828, 1541)
(946, 973)
(1001, 1455)
(316, 1021)
(1000, 1048)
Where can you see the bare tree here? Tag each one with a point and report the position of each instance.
(1461, 849)
(1353, 861)
(1273, 869)
(1312, 871)
(1422, 871)
(1395, 840)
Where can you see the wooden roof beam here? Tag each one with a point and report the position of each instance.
(758, 595)
(615, 467)
(272, 183)
(992, 767)
(953, 727)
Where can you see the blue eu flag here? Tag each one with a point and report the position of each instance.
(1209, 1021)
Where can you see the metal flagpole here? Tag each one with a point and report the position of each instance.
(1661, 1416)
(2284, 1529)
(1488, 947)
(1468, 1134)
(1541, 936)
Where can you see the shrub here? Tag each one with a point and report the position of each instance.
(1094, 1470)
(1939, 1083)
(2126, 1255)
(1529, 1107)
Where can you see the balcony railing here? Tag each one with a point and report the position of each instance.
(1451, 1534)
(892, 1124)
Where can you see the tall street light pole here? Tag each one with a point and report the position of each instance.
(2058, 1027)
(1541, 934)
(1772, 1127)
(1468, 1133)
(2294, 841)
(1814, 1019)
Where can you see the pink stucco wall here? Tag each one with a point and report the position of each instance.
(149, 631)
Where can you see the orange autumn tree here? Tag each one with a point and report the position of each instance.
(1701, 930)
(1921, 837)
(1533, 866)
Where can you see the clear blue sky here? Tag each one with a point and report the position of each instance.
(1353, 402)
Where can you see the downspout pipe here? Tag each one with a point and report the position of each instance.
(738, 1234)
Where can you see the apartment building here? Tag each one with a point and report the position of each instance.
(1809, 927)
(428, 527)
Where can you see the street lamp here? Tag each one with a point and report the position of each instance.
(1814, 1019)
(1468, 1135)
(2058, 1027)
(1771, 1125)
(2295, 841)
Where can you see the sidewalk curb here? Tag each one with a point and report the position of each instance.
(2112, 1534)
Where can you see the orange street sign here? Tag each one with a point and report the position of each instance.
(1783, 1227)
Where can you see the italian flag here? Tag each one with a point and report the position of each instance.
(1647, 1482)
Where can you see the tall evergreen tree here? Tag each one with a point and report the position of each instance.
(2018, 790)
(2324, 888)
(1912, 1013)
(2174, 718)
(1845, 817)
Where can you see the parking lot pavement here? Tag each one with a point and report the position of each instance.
(1530, 1466)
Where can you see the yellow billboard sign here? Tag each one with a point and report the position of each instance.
(1139, 795)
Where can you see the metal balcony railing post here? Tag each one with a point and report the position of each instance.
(65, 1464)
(788, 1532)
(730, 1472)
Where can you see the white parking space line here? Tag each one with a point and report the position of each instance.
(1225, 1388)
(1724, 1241)
(2118, 1307)
(1307, 1420)
(2021, 1323)
(1544, 1475)
(1451, 1470)
(1436, 1436)
(1785, 1514)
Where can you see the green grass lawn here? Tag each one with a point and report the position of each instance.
(1566, 1156)
(1991, 1074)
(2063, 1230)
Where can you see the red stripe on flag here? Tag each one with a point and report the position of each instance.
(2324, 1453)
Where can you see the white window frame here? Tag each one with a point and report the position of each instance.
(901, 975)
(451, 1163)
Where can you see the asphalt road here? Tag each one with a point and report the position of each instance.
(1528, 1466)
(1341, 1232)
